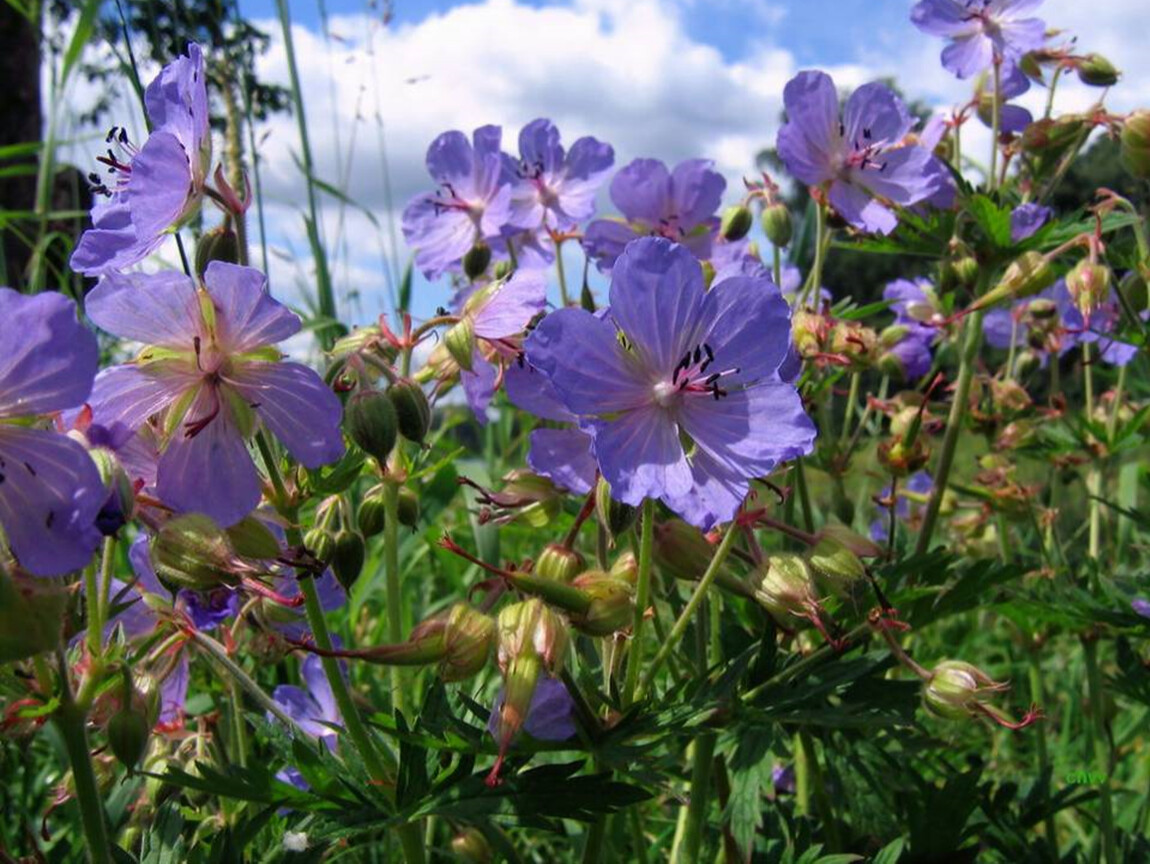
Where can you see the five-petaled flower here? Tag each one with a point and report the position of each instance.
(982, 32)
(678, 386)
(210, 367)
(856, 155)
(154, 188)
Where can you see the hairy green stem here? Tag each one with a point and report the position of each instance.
(561, 272)
(394, 597)
(642, 598)
(995, 124)
(702, 763)
(815, 277)
(1101, 750)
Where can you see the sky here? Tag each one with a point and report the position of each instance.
(670, 79)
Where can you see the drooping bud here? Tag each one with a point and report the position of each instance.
(476, 260)
(407, 507)
(191, 551)
(217, 244)
(128, 731)
(1096, 71)
(966, 270)
(785, 588)
(251, 538)
(778, 225)
(736, 223)
(370, 516)
(471, 847)
(460, 342)
(612, 604)
(1089, 285)
(412, 410)
(371, 422)
(681, 550)
(626, 567)
(559, 563)
(1028, 274)
(837, 569)
(469, 637)
(348, 554)
(956, 690)
(615, 516)
(320, 542)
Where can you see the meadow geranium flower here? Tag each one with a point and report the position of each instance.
(211, 368)
(1026, 220)
(313, 709)
(678, 386)
(854, 155)
(150, 190)
(556, 188)
(472, 202)
(50, 490)
(981, 31)
(551, 716)
(679, 205)
(917, 487)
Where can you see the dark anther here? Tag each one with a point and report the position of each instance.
(31, 470)
(50, 519)
(866, 133)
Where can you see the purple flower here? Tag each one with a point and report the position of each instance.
(313, 709)
(472, 201)
(1026, 220)
(980, 31)
(679, 205)
(917, 485)
(678, 386)
(209, 609)
(551, 716)
(783, 779)
(211, 368)
(854, 154)
(912, 301)
(1012, 119)
(1142, 607)
(174, 694)
(50, 490)
(156, 187)
(498, 313)
(1098, 329)
(556, 188)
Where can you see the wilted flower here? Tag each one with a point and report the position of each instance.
(211, 367)
(670, 367)
(50, 489)
(981, 31)
(156, 187)
(679, 205)
(854, 154)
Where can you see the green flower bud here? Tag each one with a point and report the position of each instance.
(370, 516)
(412, 410)
(777, 224)
(861, 546)
(320, 542)
(615, 516)
(32, 613)
(217, 244)
(1042, 309)
(784, 588)
(476, 260)
(1052, 137)
(956, 690)
(626, 567)
(460, 342)
(191, 551)
(1096, 71)
(892, 335)
(503, 269)
(612, 604)
(837, 569)
(128, 732)
(736, 223)
(559, 563)
(407, 507)
(1089, 285)
(471, 847)
(251, 538)
(1028, 274)
(371, 422)
(966, 270)
(531, 629)
(681, 551)
(469, 637)
(363, 339)
(348, 554)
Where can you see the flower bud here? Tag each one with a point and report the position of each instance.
(371, 422)
(32, 613)
(412, 410)
(615, 516)
(217, 244)
(892, 335)
(191, 551)
(1096, 71)
(460, 342)
(128, 736)
(532, 629)
(559, 563)
(861, 546)
(1089, 285)
(1051, 137)
(1041, 309)
(612, 604)
(785, 589)
(736, 223)
(121, 496)
(407, 507)
(681, 551)
(471, 847)
(837, 569)
(476, 260)
(956, 690)
(503, 269)
(251, 538)
(320, 542)
(348, 554)
(777, 224)
(369, 518)
(1028, 274)
(626, 567)
(966, 270)
(468, 636)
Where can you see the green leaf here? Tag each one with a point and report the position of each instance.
(744, 813)
(81, 36)
(891, 852)
(992, 219)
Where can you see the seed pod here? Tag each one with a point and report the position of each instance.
(191, 551)
(736, 223)
(778, 225)
(371, 422)
(612, 604)
(1028, 274)
(412, 410)
(320, 542)
(128, 736)
(1096, 71)
(348, 554)
(460, 342)
(370, 516)
(471, 847)
(251, 538)
(956, 690)
(469, 637)
(559, 563)
(837, 569)
(476, 260)
(786, 590)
